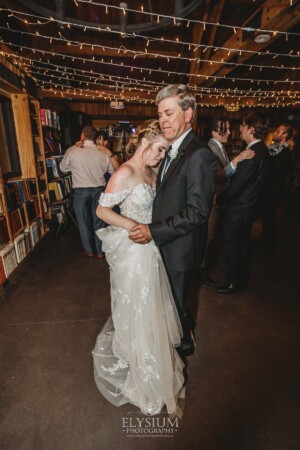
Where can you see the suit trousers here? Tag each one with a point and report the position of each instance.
(180, 283)
(214, 231)
(85, 202)
(269, 224)
(237, 249)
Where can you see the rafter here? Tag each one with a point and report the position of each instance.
(284, 18)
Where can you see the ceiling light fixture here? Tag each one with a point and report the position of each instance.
(117, 105)
(232, 108)
(262, 38)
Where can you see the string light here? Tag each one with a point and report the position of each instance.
(132, 68)
(147, 86)
(156, 55)
(217, 24)
(90, 27)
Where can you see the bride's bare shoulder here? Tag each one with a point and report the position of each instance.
(121, 179)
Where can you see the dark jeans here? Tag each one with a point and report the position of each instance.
(85, 202)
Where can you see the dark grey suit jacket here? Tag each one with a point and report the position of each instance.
(182, 205)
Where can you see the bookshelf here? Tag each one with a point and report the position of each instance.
(40, 157)
(234, 144)
(24, 195)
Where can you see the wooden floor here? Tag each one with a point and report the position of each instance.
(244, 380)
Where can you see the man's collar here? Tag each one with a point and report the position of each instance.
(178, 142)
(253, 142)
(218, 143)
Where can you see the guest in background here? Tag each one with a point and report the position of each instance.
(242, 197)
(87, 166)
(102, 142)
(276, 183)
(220, 132)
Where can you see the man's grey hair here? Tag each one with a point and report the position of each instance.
(186, 99)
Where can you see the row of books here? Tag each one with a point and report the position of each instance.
(17, 220)
(49, 118)
(60, 189)
(12, 254)
(19, 192)
(52, 145)
(53, 169)
(32, 208)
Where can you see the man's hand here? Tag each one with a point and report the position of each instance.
(140, 234)
(245, 154)
(79, 144)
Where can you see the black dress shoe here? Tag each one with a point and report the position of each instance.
(206, 279)
(228, 288)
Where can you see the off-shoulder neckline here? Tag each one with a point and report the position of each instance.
(131, 188)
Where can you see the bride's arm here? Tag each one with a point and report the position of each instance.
(118, 182)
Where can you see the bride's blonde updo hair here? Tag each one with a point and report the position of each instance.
(149, 129)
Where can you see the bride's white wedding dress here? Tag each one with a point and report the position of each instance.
(135, 359)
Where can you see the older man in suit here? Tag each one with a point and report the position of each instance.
(242, 197)
(184, 196)
(220, 132)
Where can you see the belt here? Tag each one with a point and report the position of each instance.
(98, 187)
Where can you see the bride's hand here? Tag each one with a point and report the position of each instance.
(140, 234)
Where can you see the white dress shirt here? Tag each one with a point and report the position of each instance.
(87, 165)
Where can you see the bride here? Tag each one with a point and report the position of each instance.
(135, 360)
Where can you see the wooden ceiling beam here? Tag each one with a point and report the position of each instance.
(198, 31)
(215, 14)
(286, 17)
(105, 94)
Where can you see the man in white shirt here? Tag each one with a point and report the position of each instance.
(220, 132)
(88, 166)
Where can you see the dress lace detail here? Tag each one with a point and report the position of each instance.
(135, 202)
(135, 359)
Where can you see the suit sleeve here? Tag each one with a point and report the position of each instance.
(226, 172)
(245, 173)
(200, 188)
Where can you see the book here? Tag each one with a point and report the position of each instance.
(2, 273)
(34, 232)
(20, 247)
(49, 118)
(42, 185)
(32, 208)
(37, 148)
(9, 259)
(4, 234)
(34, 127)
(16, 221)
(43, 117)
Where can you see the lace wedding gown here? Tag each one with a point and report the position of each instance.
(135, 359)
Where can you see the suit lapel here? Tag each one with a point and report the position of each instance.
(173, 163)
(218, 153)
